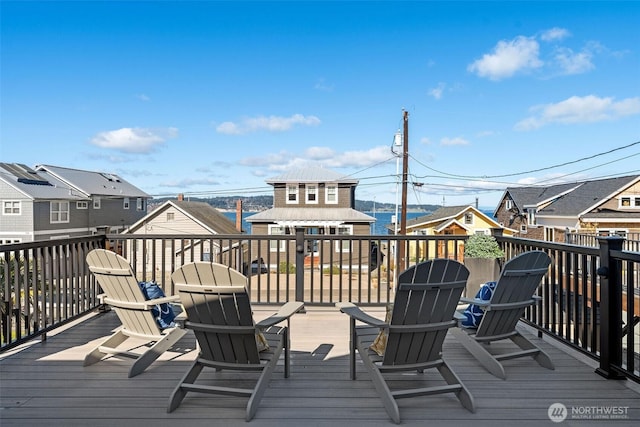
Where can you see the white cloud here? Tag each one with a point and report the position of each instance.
(437, 91)
(454, 141)
(270, 124)
(574, 63)
(508, 58)
(323, 86)
(323, 156)
(424, 140)
(190, 182)
(555, 33)
(134, 140)
(587, 109)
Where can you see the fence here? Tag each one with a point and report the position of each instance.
(589, 297)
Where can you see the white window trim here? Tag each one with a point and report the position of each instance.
(508, 204)
(297, 193)
(96, 202)
(140, 204)
(273, 244)
(307, 193)
(531, 217)
(471, 220)
(125, 203)
(326, 194)
(82, 204)
(10, 241)
(345, 248)
(59, 212)
(634, 202)
(11, 205)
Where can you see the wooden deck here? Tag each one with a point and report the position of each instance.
(46, 384)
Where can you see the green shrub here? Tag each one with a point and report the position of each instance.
(482, 246)
(285, 267)
(334, 269)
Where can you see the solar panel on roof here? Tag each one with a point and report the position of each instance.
(24, 174)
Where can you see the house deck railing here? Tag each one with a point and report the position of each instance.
(590, 297)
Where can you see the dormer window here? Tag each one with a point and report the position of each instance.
(292, 194)
(312, 194)
(630, 202)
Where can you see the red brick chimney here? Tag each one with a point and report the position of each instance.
(239, 215)
(180, 197)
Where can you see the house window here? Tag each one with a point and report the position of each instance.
(96, 203)
(9, 241)
(11, 207)
(523, 228)
(630, 202)
(531, 216)
(59, 212)
(140, 204)
(125, 203)
(508, 204)
(171, 216)
(277, 245)
(331, 194)
(292, 194)
(312, 194)
(82, 205)
(343, 230)
(468, 218)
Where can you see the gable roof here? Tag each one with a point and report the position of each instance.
(445, 216)
(37, 185)
(536, 195)
(311, 174)
(94, 183)
(587, 196)
(203, 213)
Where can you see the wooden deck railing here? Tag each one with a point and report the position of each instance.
(590, 298)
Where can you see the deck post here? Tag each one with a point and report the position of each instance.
(300, 264)
(610, 308)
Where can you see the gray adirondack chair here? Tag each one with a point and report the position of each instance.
(514, 291)
(123, 294)
(218, 310)
(423, 311)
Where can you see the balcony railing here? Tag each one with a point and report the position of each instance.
(590, 297)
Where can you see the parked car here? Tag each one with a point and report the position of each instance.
(257, 267)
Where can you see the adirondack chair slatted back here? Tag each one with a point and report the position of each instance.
(221, 319)
(217, 304)
(118, 282)
(518, 282)
(423, 311)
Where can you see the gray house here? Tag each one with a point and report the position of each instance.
(50, 202)
(599, 207)
(320, 201)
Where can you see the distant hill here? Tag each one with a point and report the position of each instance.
(261, 203)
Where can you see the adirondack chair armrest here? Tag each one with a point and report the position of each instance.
(181, 320)
(141, 305)
(285, 312)
(356, 313)
(478, 302)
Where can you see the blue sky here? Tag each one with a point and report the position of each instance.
(212, 98)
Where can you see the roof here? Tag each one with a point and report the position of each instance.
(528, 196)
(205, 214)
(94, 183)
(312, 174)
(587, 196)
(310, 215)
(37, 185)
(446, 216)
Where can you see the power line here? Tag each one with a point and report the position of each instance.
(530, 171)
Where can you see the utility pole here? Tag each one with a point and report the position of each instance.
(401, 261)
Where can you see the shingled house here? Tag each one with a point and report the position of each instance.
(320, 201)
(599, 207)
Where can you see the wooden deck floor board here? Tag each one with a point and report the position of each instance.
(46, 384)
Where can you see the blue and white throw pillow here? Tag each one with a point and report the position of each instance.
(163, 313)
(473, 313)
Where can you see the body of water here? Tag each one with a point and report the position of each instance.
(379, 227)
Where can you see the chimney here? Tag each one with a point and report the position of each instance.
(180, 197)
(239, 215)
